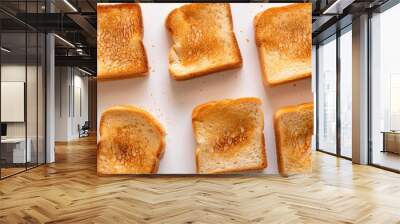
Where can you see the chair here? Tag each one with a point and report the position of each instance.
(84, 130)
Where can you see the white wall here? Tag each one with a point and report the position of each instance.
(69, 82)
(80, 83)
(62, 81)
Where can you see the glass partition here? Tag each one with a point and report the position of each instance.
(31, 100)
(13, 94)
(23, 90)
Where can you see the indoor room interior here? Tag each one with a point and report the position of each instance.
(49, 101)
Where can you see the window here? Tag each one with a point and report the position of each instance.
(327, 96)
(346, 92)
(385, 89)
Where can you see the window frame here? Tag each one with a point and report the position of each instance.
(334, 37)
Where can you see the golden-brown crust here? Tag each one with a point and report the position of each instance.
(120, 50)
(126, 109)
(133, 109)
(160, 154)
(306, 132)
(264, 163)
(200, 43)
(199, 108)
(288, 38)
(200, 113)
(243, 169)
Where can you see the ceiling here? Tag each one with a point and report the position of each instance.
(74, 22)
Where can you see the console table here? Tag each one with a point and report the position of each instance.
(13, 150)
(391, 141)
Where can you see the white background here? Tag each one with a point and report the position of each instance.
(172, 102)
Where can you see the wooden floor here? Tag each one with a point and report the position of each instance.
(5, 172)
(387, 159)
(70, 192)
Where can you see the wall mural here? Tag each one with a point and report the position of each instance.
(204, 88)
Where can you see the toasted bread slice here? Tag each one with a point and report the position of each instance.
(131, 142)
(120, 50)
(283, 38)
(204, 41)
(293, 133)
(230, 136)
